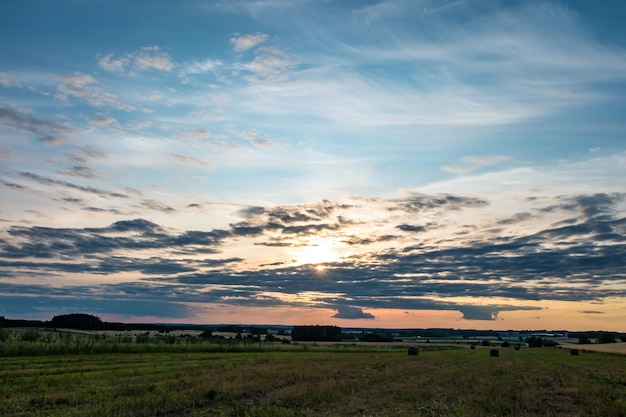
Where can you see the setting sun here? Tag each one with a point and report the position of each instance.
(318, 251)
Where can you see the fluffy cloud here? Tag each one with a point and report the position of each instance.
(146, 59)
(271, 64)
(243, 43)
(352, 313)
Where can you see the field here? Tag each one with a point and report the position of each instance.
(615, 348)
(261, 379)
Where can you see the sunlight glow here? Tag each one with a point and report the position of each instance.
(317, 252)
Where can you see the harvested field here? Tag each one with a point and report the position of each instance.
(316, 381)
(616, 348)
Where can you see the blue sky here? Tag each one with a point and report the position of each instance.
(368, 163)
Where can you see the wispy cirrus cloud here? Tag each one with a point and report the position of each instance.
(496, 74)
(202, 67)
(86, 153)
(44, 180)
(5, 152)
(8, 81)
(157, 206)
(215, 67)
(260, 140)
(271, 64)
(80, 171)
(474, 162)
(46, 131)
(13, 185)
(188, 160)
(85, 87)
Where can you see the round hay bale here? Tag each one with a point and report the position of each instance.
(472, 347)
(494, 352)
(516, 347)
(414, 350)
(573, 352)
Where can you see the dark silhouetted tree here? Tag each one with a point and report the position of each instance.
(76, 321)
(375, 337)
(230, 328)
(606, 338)
(316, 333)
(534, 341)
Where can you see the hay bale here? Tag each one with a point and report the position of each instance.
(472, 347)
(516, 347)
(573, 352)
(494, 352)
(414, 350)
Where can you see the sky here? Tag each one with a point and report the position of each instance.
(384, 164)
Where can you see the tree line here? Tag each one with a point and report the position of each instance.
(316, 333)
(82, 321)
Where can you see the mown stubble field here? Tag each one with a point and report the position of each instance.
(316, 381)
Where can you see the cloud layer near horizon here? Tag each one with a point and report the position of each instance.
(413, 253)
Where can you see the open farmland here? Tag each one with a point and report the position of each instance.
(614, 348)
(314, 380)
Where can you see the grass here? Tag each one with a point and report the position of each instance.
(309, 380)
(34, 342)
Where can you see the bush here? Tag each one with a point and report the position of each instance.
(4, 335)
(207, 334)
(30, 336)
(549, 343)
(534, 341)
(606, 338)
(271, 338)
